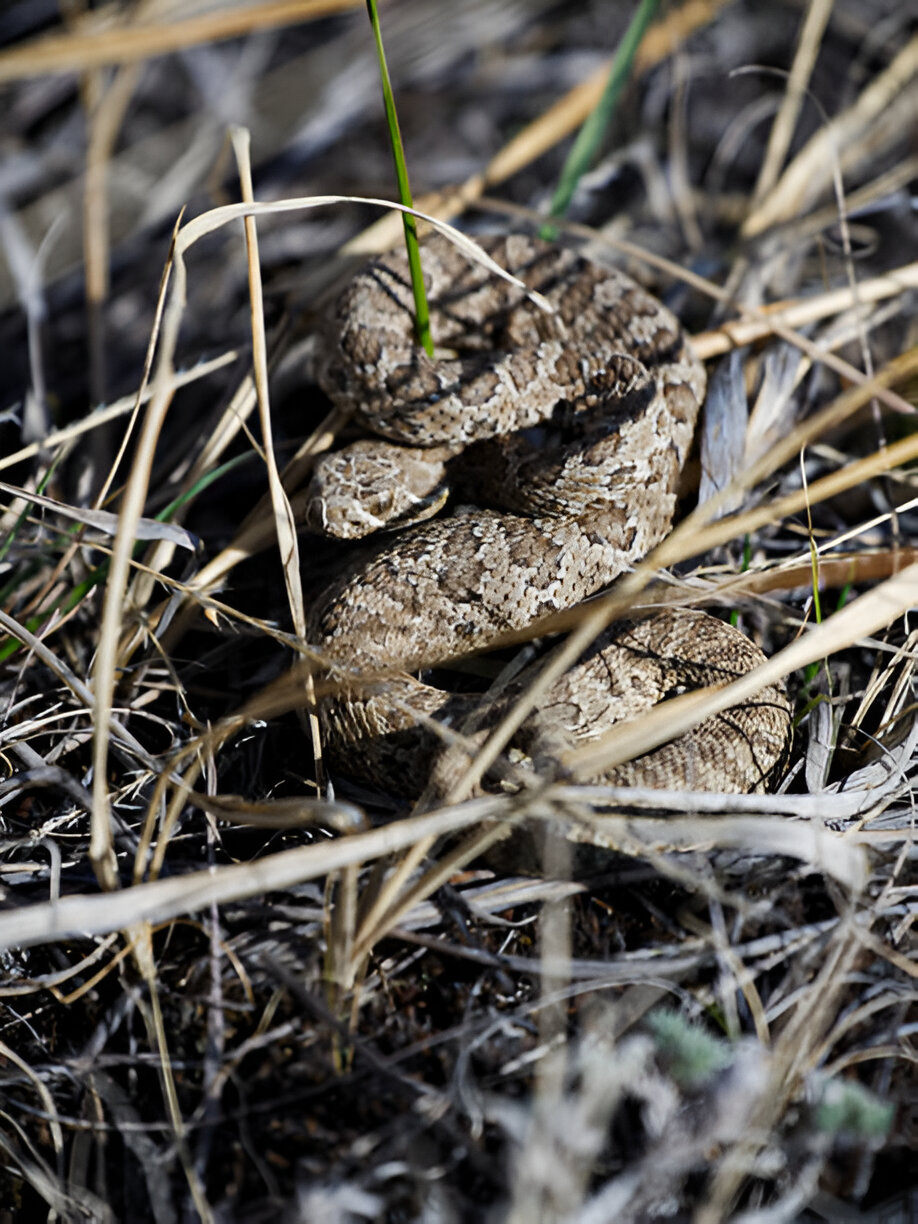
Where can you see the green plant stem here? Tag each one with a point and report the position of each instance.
(421, 311)
(594, 126)
(747, 559)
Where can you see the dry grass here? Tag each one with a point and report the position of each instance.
(228, 992)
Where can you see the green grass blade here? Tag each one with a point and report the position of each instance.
(421, 311)
(594, 126)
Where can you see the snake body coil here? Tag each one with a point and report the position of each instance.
(568, 431)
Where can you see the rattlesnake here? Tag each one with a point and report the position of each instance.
(569, 430)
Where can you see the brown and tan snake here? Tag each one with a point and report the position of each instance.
(562, 437)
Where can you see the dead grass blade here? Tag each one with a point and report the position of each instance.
(738, 332)
(41, 1090)
(121, 407)
(101, 852)
(284, 521)
(807, 841)
(858, 132)
(782, 131)
(161, 900)
(288, 813)
(125, 44)
(106, 105)
(198, 227)
(284, 524)
(104, 522)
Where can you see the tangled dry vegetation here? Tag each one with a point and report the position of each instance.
(225, 995)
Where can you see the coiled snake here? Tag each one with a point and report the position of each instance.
(563, 436)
